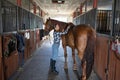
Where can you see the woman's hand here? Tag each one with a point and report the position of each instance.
(62, 30)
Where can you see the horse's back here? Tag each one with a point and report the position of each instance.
(83, 34)
(84, 29)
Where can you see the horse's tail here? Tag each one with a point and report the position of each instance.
(89, 52)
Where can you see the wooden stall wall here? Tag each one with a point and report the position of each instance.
(32, 42)
(0, 59)
(102, 60)
(37, 38)
(114, 67)
(1, 62)
(1, 30)
(16, 19)
(117, 70)
(101, 56)
(27, 45)
(11, 59)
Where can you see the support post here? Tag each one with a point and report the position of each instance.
(113, 17)
(81, 6)
(95, 2)
(19, 2)
(34, 7)
(1, 31)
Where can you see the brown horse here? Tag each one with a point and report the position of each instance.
(81, 37)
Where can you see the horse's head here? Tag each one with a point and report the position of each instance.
(49, 25)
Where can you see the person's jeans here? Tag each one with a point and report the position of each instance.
(55, 48)
(21, 58)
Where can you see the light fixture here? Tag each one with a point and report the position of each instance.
(58, 1)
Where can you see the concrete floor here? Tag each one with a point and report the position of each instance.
(37, 67)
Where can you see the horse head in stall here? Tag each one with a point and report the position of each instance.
(81, 37)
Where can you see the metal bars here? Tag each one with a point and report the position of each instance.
(104, 20)
(101, 20)
(15, 18)
(86, 18)
(9, 16)
(116, 19)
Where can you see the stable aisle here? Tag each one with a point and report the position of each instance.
(37, 67)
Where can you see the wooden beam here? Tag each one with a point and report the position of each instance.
(19, 2)
(95, 2)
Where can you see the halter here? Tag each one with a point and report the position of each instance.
(50, 25)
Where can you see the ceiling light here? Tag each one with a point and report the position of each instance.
(58, 1)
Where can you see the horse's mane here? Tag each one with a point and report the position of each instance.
(63, 25)
(58, 21)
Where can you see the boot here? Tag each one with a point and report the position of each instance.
(53, 69)
(51, 64)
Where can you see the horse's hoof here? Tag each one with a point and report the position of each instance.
(65, 66)
(83, 78)
(74, 67)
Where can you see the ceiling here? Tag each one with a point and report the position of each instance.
(63, 9)
(69, 6)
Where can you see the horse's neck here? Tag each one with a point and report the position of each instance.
(53, 22)
(61, 24)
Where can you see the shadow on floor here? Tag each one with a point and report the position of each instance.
(67, 75)
(77, 74)
(51, 76)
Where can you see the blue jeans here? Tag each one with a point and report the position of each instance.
(55, 49)
(21, 62)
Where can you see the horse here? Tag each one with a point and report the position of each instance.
(80, 37)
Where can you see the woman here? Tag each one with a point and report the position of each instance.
(57, 35)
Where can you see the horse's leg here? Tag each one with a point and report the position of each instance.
(83, 64)
(74, 61)
(65, 51)
(65, 56)
(81, 46)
